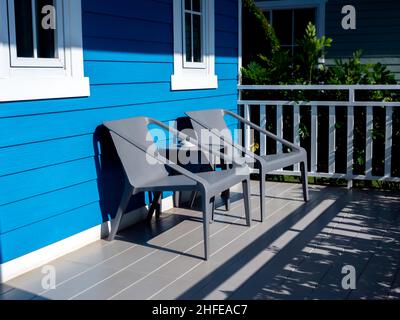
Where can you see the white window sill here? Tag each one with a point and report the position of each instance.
(184, 82)
(22, 89)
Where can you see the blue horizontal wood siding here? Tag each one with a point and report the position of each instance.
(50, 184)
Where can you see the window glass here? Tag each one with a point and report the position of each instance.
(197, 38)
(193, 31)
(282, 23)
(188, 4)
(46, 47)
(24, 30)
(196, 6)
(33, 38)
(188, 36)
(301, 19)
(290, 25)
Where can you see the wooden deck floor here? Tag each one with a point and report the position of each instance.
(297, 253)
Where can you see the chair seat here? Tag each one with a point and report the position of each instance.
(278, 161)
(219, 181)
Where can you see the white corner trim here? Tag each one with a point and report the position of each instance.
(186, 78)
(36, 259)
(22, 89)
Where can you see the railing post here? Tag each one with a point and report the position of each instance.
(388, 141)
(263, 124)
(350, 138)
(314, 139)
(279, 127)
(247, 130)
(332, 140)
(368, 135)
(296, 130)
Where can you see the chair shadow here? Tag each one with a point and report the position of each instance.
(271, 281)
(110, 177)
(143, 232)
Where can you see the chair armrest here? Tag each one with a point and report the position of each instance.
(201, 146)
(263, 131)
(164, 161)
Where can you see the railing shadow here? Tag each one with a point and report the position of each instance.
(271, 281)
(9, 293)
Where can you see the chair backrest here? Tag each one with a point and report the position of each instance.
(212, 119)
(130, 137)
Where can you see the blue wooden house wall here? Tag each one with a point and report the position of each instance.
(53, 153)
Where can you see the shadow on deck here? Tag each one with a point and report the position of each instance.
(298, 253)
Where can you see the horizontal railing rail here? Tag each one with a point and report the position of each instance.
(350, 104)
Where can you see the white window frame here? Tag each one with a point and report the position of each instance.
(36, 78)
(59, 40)
(319, 5)
(197, 75)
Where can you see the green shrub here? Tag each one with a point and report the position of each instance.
(266, 62)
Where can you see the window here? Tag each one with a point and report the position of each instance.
(194, 34)
(41, 50)
(290, 24)
(290, 18)
(33, 44)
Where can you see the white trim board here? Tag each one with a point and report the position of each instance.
(23, 89)
(41, 257)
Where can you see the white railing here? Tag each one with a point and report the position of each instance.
(350, 104)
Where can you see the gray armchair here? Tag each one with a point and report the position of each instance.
(213, 120)
(148, 171)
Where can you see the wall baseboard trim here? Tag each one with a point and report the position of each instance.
(41, 257)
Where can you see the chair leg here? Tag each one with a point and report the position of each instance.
(154, 207)
(177, 196)
(246, 199)
(128, 192)
(208, 205)
(262, 196)
(159, 205)
(304, 178)
(226, 195)
(212, 218)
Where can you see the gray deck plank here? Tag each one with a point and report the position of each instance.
(161, 250)
(30, 285)
(361, 250)
(236, 212)
(217, 229)
(297, 253)
(231, 251)
(272, 275)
